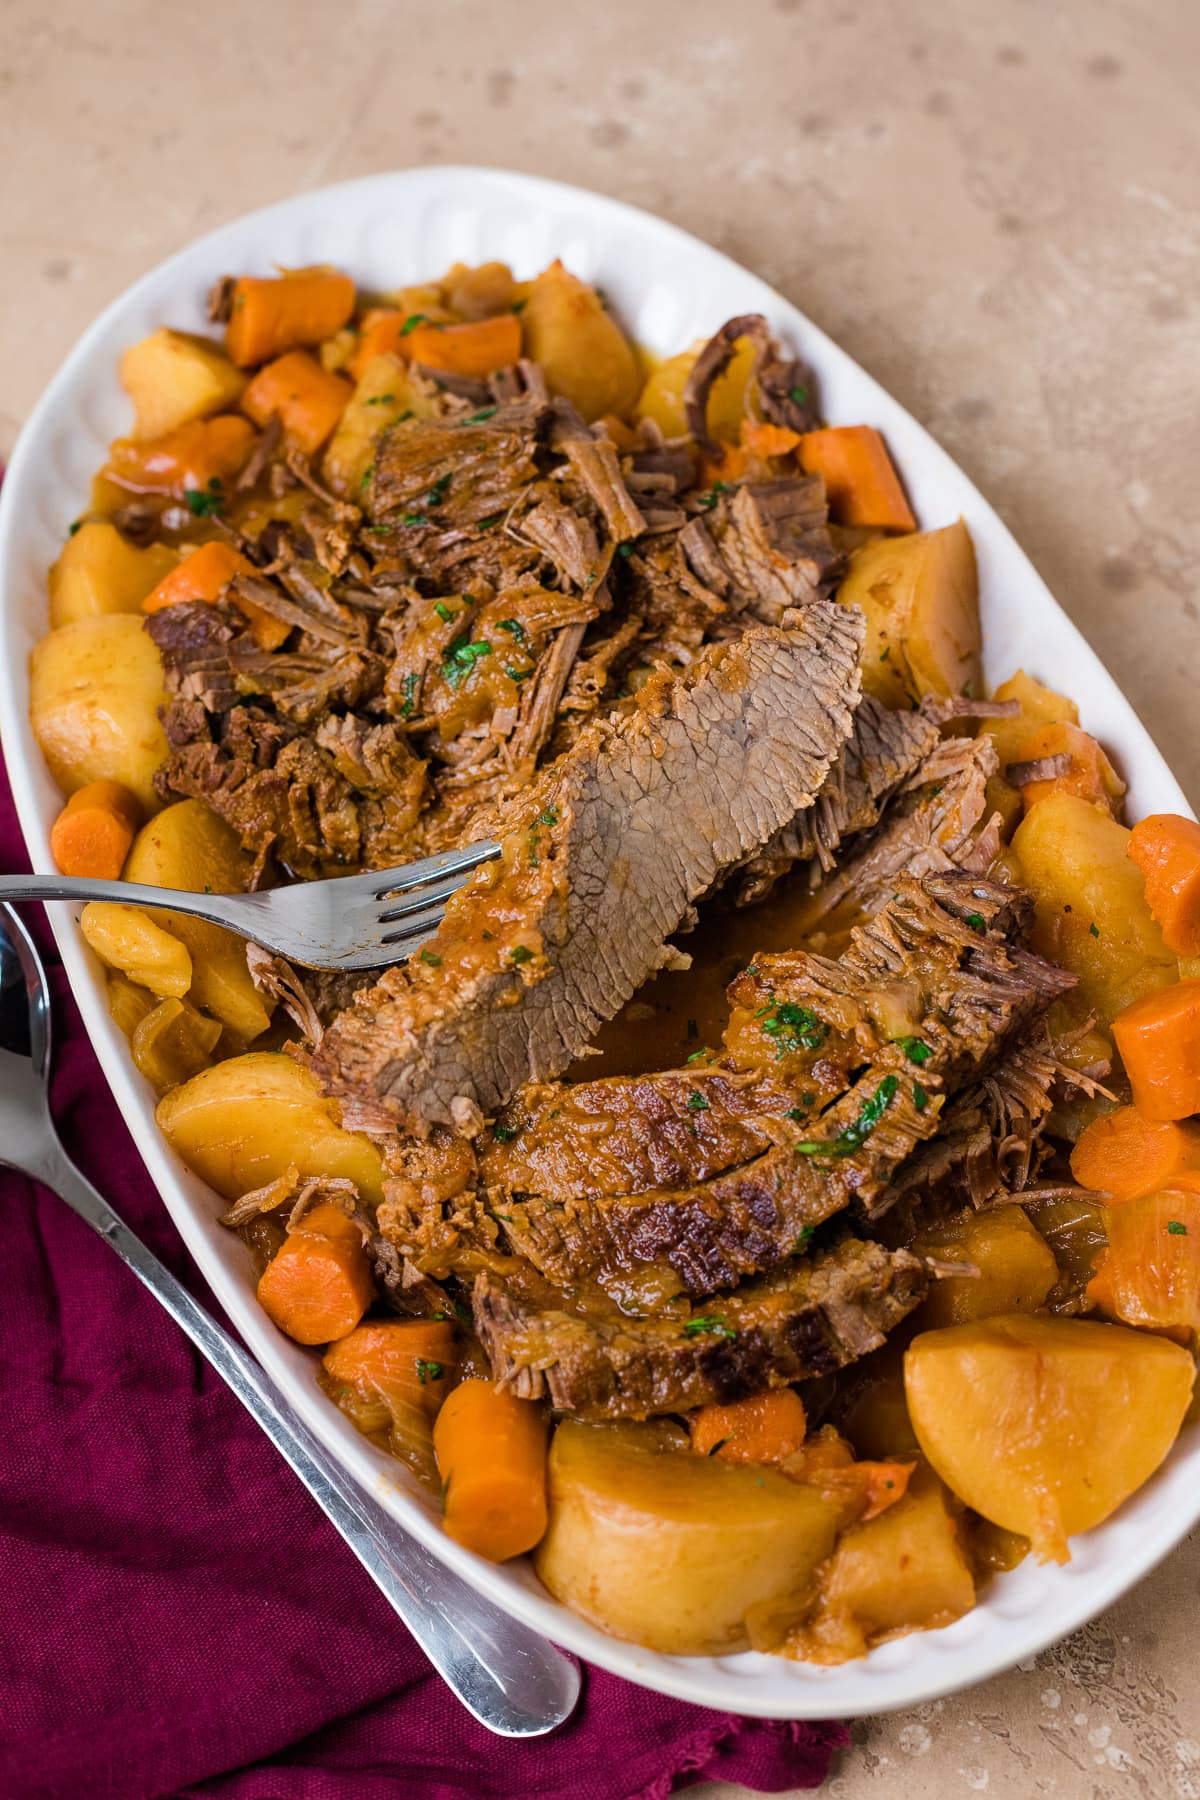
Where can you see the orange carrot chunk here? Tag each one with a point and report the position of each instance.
(1089, 774)
(204, 575)
(318, 1285)
(92, 834)
(861, 482)
(1159, 1041)
(1166, 848)
(478, 348)
(403, 1362)
(761, 1429)
(1124, 1155)
(308, 399)
(1150, 1275)
(491, 1454)
(380, 333)
(768, 440)
(196, 458)
(276, 313)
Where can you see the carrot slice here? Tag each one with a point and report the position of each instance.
(277, 313)
(403, 1362)
(1159, 1041)
(1150, 1275)
(477, 348)
(195, 459)
(380, 333)
(1166, 848)
(491, 1453)
(92, 834)
(1090, 774)
(768, 440)
(318, 1285)
(861, 482)
(1124, 1155)
(308, 399)
(763, 1428)
(204, 575)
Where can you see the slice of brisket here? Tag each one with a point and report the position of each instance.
(884, 750)
(766, 548)
(605, 855)
(815, 1318)
(943, 953)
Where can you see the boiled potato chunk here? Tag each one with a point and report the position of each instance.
(905, 1570)
(247, 1120)
(189, 847)
(95, 687)
(661, 398)
(173, 378)
(920, 596)
(173, 1042)
(1045, 1425)
(128, 939)
(99, 571)
(583, 351)
(1039, 705)
(1016, 1268)
(1091, 911)
(384, 394)
(680, 1553)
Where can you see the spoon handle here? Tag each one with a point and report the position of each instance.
(509, 1678)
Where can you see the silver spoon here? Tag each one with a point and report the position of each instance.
(511, 1680)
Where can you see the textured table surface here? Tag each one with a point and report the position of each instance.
(993, 204)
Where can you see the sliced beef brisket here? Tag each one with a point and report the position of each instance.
(815, 1318)
(603, 859)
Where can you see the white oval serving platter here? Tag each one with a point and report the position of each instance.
(668, 288)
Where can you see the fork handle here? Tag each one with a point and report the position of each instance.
(509, 1678)
(232, 910)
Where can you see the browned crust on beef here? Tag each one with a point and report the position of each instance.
(820, 1316)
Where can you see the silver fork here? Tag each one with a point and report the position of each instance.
(512, 1680)
(354, 922)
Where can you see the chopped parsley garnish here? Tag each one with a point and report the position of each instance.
(412, 321)
(798, 394)
(719, 1445)
(624, 549)
(412, 518)
(486, 524)
(1094, 929)
(428, 1371)
(805, 1239)
(807, 1097)
(379, 530)
(916, 1049)
(514, 628)
(381, 399)
(427, 956)
(884, 654)
(518, 306)
(410, 688)
(521, 953)
(797, 1114)
(364, 479)
(73, 527)
(504, 1134)
(203, 502)
(976, 921)
(1177, 1228)
(856, 1134)
(696, 1101)
(437, 492)
(705, 1322)
(549, 817)
(461, 658)
(920, 1097)
(517, 674)
(485, 412)
(968, 690)
(714, 493)
(793, 1028)
(444, 612)
(698, 1056)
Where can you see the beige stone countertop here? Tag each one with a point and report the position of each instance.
(993, 204)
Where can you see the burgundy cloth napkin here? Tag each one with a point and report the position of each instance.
(176, 1616)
